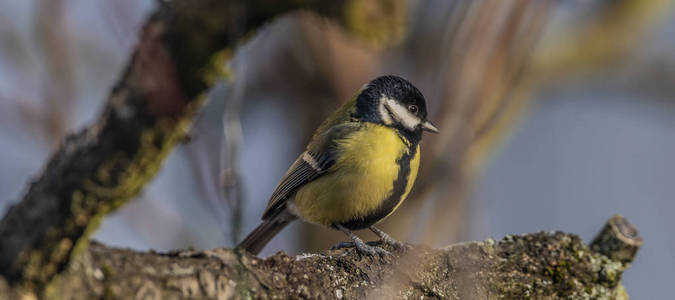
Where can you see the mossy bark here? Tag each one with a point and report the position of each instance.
(544, 265)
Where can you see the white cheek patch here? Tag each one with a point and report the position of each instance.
(384, 113)
(401, 114)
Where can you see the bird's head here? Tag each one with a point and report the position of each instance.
(395, 102)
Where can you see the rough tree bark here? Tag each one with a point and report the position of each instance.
(549, 265)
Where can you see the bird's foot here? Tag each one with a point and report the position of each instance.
(342, 245)
(362, 248)
(385, 238)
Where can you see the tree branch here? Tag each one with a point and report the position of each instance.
(551, 265)
(183, 49)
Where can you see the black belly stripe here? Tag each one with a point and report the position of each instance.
(394, 199)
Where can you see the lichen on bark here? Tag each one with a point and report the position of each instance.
(543, 265)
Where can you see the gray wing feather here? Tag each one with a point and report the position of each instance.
(300, 172)
(311, 164)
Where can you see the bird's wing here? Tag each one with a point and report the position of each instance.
(314, 162)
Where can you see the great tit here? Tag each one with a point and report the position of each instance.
(357, 169)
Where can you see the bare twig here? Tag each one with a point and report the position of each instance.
(230, 179)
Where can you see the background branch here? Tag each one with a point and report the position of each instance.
(181, 53)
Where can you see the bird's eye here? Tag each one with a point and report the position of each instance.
(412, 108)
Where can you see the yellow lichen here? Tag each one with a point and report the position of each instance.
(219, 67)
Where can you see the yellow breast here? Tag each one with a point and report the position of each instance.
(362, 177)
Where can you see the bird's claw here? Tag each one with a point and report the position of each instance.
(363, 248)
(385, 238)
(342, 245)
(398, 244)
(372, 250)
(375, 250)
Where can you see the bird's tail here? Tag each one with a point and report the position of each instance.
(268, 229)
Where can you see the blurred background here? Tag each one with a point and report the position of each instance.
(554, 115)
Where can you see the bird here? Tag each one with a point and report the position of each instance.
(357, 169)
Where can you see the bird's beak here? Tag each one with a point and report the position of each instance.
(427, 126)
